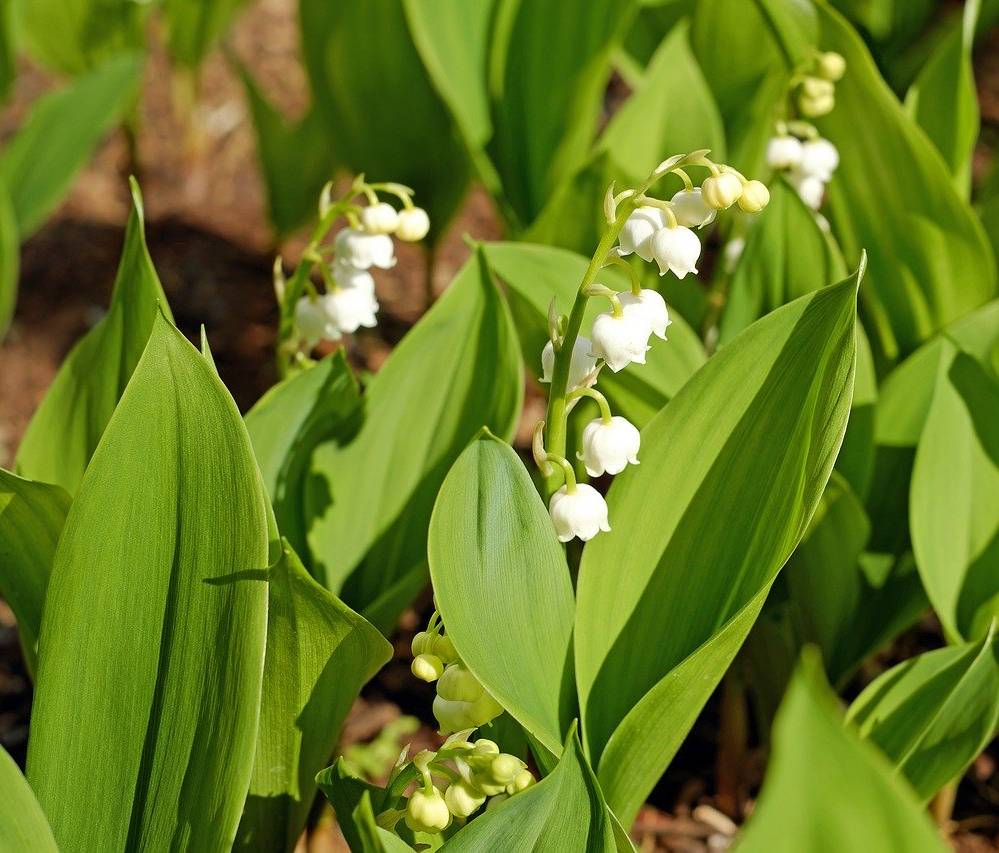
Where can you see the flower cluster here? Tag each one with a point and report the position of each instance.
(349, 302)
(814, 85)
(654, 230)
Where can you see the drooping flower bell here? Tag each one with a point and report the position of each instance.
(676, 250)
(810, 189)
(413, 224)
(691, 210)
(462, 702)
(463, 799)
(650, 306)
(379, 218)
(608, 446)
(347, 275)
(620, 340)
(363, 250)
(784, 152)
(427, 811)
(581, 364)
(819, 159)
(637, 231)
(580, 513)
(312, 323)
(350, 308)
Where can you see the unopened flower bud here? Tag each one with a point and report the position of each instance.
(755, 196)
(462, 799)
(581, 363)
(831, 66)
(620, 340)
(413, 225)
(427, 812)
(783, 152)
(363, 250)
(816, 107)
(609, 447)
(638, 231)
(427, 667)
(457, 684)
(650, 306)
(379, 218)
(523, 781)
(816, 87)
(444, 649)
(691, 210)
(419, 644)
(581, 512)
(819, 159)
(504, 769)
(455, 715)
(722, 191)
(484, 746)
(676, 250)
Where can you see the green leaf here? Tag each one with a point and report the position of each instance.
(158, 598)
(892, 196)
(933, 714)
(10, 260)
(319, 655)
(59, 135)
(535, 275)
(819, 772)
(31, 519)
(194, 28)
(289, 422)
(23, 825)
(8, 56)
(564, 811)
(65, 429)
(954, 500)
(368, 502)
(732, 469)
(354, 801)
(502, 585)
(381, 110)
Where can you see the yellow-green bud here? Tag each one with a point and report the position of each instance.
(444, 649)
(495, 801)
(504, 769)
(721, 191)
(419, 644)
(427, 812)
(427, 667)
(462, 799)
(484, 746)
(755, 196)
(523, 781)
(816, 107)
(457, 684)
(816, 87)
(831, 66)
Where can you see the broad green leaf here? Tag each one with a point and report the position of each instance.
(381, 110)
(8, 58)
(933, 714)
(59, 134)
(194, 28)
(65, 429)
(944, 101)
(502, 585)
(153, 635)
(368, 501)
(795, 25)
(892, 196)
(23, 825)
(346, 792)
(319, 655)
(31, 519)
(10, 260)
(564, 811)
(289, 422)
(534, 275)
(732, 469)
(547, 77)
(820, 772)
(954, 500)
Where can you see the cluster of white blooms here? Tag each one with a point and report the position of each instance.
(809, 164)
(349, 301)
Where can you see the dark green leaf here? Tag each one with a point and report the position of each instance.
(22, 823)
(346, 792)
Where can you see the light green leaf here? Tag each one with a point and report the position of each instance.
(933, 714)
(194, 28)
(319, 655)
(10, 260)
(929, 260)
(502, 585)
(8, 57)
(564, 811)
(820, 772)
(732, 469)
(152, 646)
(59, 134)
(368, 502)
(534, 275)
(31, 519)
(954, 500)
(23, 825)
(289, 422)
(796, 27)
(69, 422)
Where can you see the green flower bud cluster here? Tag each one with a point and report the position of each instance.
(815, 85)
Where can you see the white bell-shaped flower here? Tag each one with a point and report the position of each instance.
(638, 230)
(413, 225)
(650, 306)
(350, 276)
(363, 250)
(581, 364)
(351, 307)
(784, 152)
(608, 447)
(676, 250)
(810, 189)
(379, 218)
(312, 323)
(580, 513)
(819, 159)
(620, 340)
(691, 210)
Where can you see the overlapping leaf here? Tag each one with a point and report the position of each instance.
(22, 823)
(152, 646)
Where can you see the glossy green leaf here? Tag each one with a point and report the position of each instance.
(194, 28)
(564, 811)
(534, 275)
(59, 135)
(65, 429)
(368, 501)
(31, 519)
(153, 635)
(10, 260)
(933, 714)
(929, 260)
(23, 825)
(288, 423)
(502, 585)
(319, 655)
(732, 469)
(381, 110)
(827, 791)
(954, 500)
